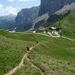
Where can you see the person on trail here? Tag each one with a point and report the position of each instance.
(28, 48)
(37, 42)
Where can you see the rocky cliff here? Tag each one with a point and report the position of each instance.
(27, 15)
(31, 18)
(51, 9)
(51, 6)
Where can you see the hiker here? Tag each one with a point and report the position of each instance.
(37, 42)
(28, 48)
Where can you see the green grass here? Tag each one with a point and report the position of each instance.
(23, 36)
(18, 36)
(57, 53)
(27, 70)
(67, 25)
(13, 47)
(11, 52)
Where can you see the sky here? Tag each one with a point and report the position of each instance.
(14, 6)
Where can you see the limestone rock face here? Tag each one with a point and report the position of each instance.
(51, 6)
(27, 15)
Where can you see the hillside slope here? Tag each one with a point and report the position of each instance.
(50, 56)
(66, 24)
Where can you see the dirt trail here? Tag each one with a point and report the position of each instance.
(33, 65)
(53, 36)
(17, 67)
(57, 35)
(68, 38)
(54, 72)
(21, 64)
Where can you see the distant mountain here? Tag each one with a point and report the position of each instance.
(36, 23)
(63, 11)
(51, 6)
(5, 20)
(51, 10)
(66, 8)
(25, 16)
(30, 18)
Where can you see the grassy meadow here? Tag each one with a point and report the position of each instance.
(12, 49)
(53, 55)
(57, 54)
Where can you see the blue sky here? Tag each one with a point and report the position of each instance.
(14, 6)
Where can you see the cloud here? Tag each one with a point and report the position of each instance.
(11, 0)
(21, 0)
(26, 0)
(9, 10)
(1, 5)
